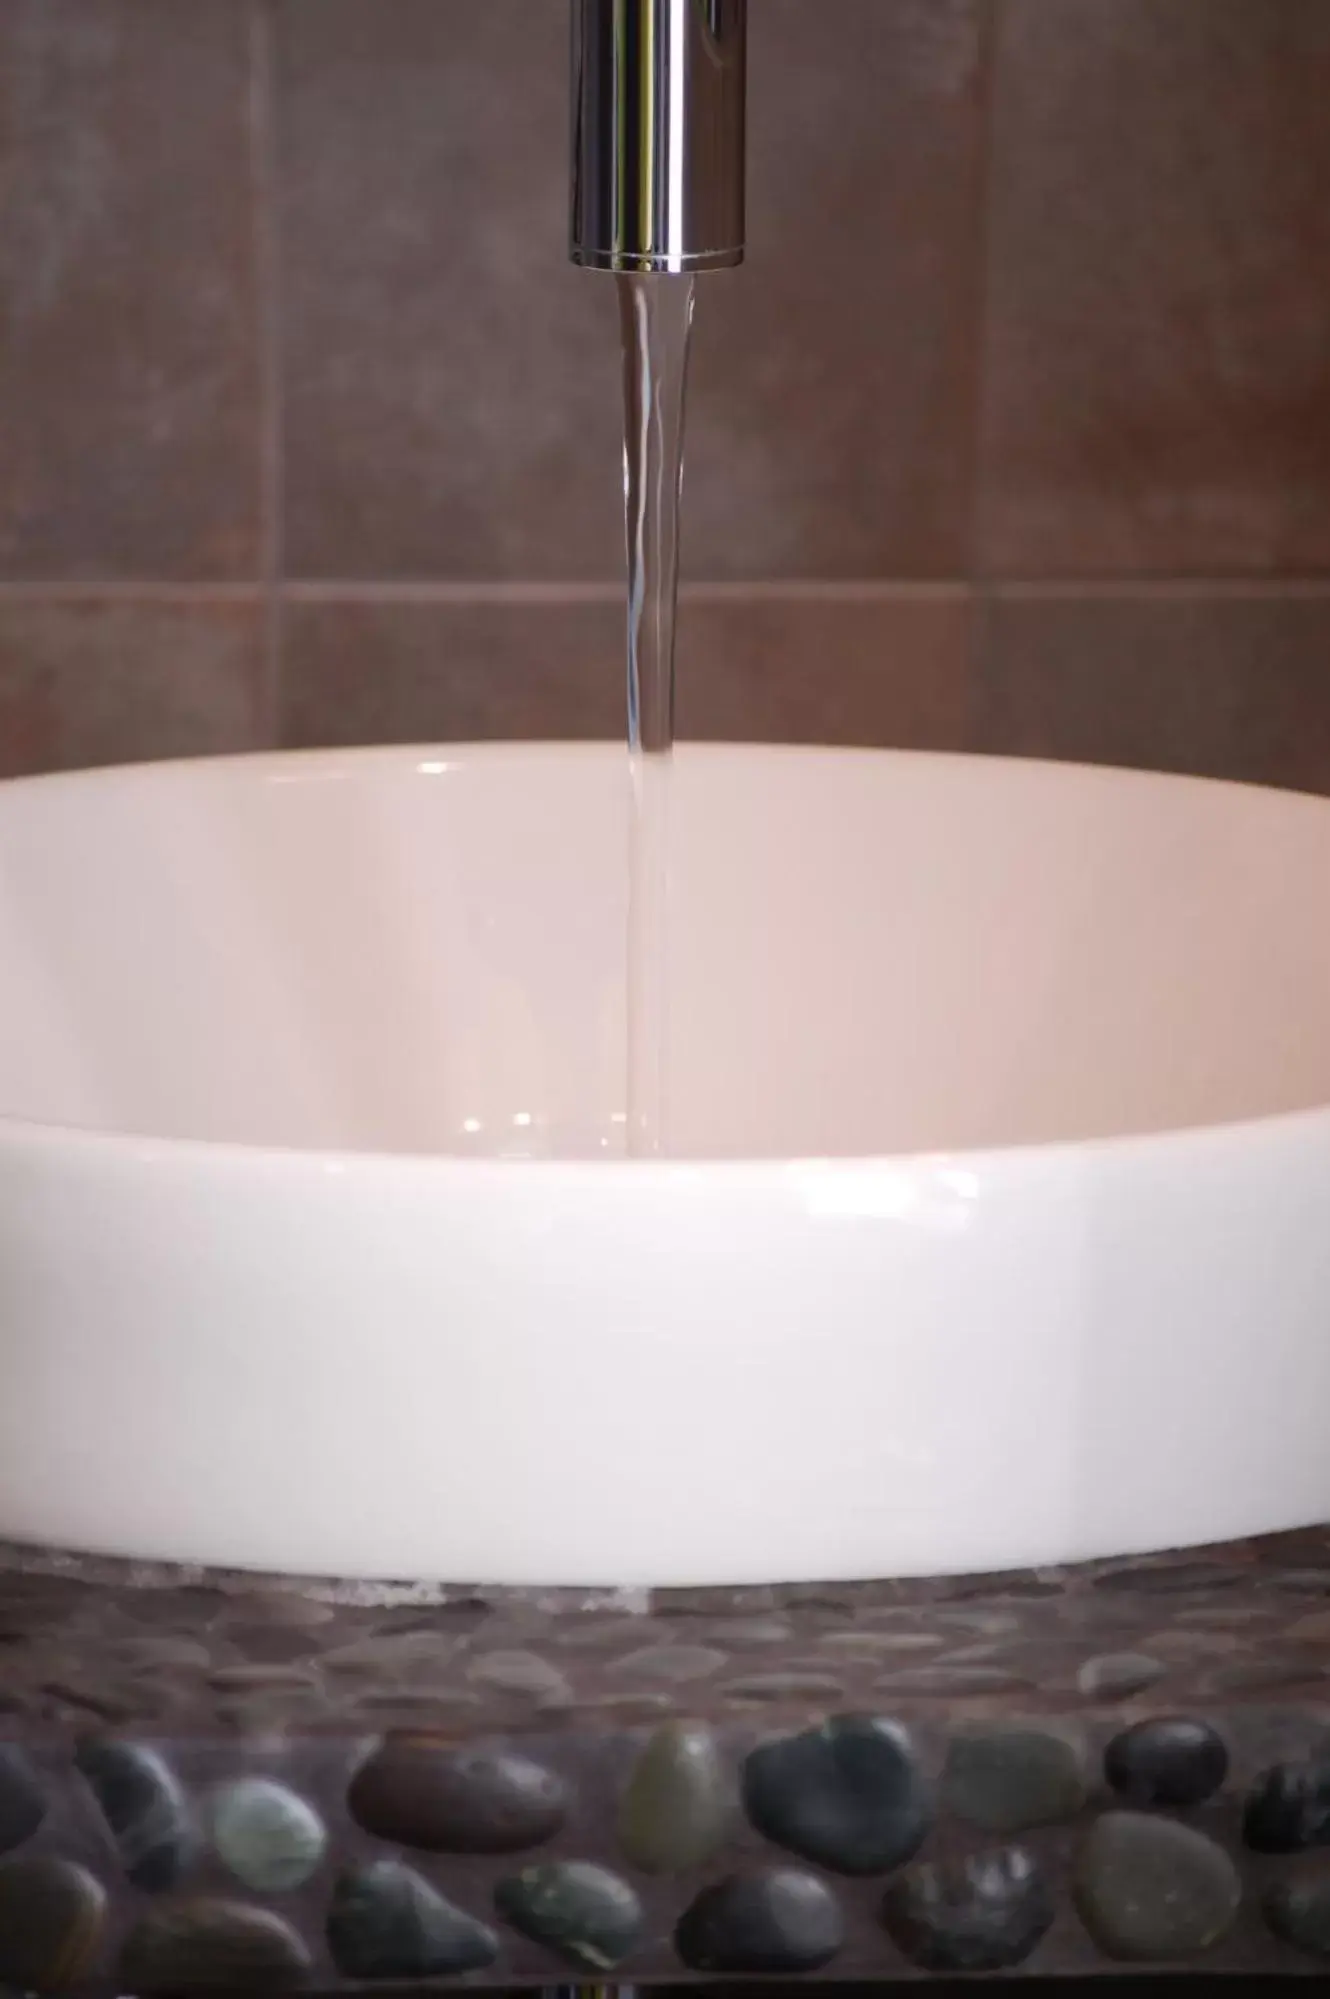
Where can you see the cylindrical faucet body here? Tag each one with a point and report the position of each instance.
(658, 134)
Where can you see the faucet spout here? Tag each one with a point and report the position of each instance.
(658, 134)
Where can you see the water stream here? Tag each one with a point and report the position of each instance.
(656, 317)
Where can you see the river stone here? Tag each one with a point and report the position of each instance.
(52, 1914)
(1289, 1808)
(983, 1913)
(952, 1682)
(386, 1922)
(524, 1674)
(145, 1809)
(751, 1634)
(256, 1676)
(1166, 1761)
(1170, 1578)
(676, 1806)
(165, 1652)
(22, 1807)
(585, 1913)
(774, 1687)
(775, 1923)
(1297, 1907)
(1008, 1779)
(1149, 1888)
(848, 1795)
(273, 1607)
(268, 1837)
(1116, 1676)
(422, 1792)
(674, 1664)
(204, 1940)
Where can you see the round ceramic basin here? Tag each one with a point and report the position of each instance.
(995, 1228)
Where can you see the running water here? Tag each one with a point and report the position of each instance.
(656, 317)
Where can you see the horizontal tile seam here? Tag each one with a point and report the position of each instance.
(368, 591)
(811, 590)
(1055, 589)
(137, 592)
(789, 590)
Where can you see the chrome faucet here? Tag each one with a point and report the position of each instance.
(658, 134)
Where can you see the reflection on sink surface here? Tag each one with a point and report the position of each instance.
(997, 1230)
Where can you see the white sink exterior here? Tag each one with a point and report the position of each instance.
(998, 1231)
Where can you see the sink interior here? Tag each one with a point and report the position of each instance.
(424, 951)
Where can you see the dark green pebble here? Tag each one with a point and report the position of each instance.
(386, 1922)
(848, 1796)
(145, 1809)
(1009, 1779)
(1297, 1907)
(1288, 1809)
(585, 1913)
(1166, 1760)
(983, 1913)
(22, 1807)
(774, 1923)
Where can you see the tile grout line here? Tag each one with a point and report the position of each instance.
(981, 599)
(813, 589)
(267, 263)
(119, 590)
(797, 589)
(794, 590)
(1232, 587)
(980, 276)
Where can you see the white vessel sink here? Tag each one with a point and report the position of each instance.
(998, 1231)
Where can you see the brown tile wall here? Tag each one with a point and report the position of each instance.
(1014, 433)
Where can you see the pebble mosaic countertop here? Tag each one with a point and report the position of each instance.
(206, 1779)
